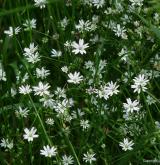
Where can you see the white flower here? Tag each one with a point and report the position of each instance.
(126, 144)
(77, 114)
(2, 74)
(150, 100)
(31, 53)
(131, 106)
(67, 160)
(25, 77)
(111, 88)
(67, 117)
(140, 83)
(61, 107)
(60, 92)
(75, 78)
(42, 73)
(56, 53)
(68, 44)
(48, 151)
(64, 22)
(136, 2)
(84, 124)
(41, 89)
(157, 124)
(34, 58)
(89, 157)
(5, 143)
(79, 47)
(87, 2)
(64, 69)
(98, 3)
(48, 101)
(31, 50)
(102, 64)
(107, 90)
(50, 121)
(156, 17)
(40, 3)
(120, 31)
(103, 146)
(30, 134)
(102, 93)
(124, 54)
(68, 2)
(30, 24)
(13, 92)
(12, 31)
(25, 89)
(83, 26)
(89, 65)
(22, 112)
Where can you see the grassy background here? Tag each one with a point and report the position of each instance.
(105, 129)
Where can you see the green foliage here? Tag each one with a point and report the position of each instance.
(85, 103)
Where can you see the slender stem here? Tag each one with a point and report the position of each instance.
(43, 127)
(72, 148)
(30, 152)
(153, 96)
(148, 108)
(69, 143)
(41, 122)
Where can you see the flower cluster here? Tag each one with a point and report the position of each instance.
(79, 82)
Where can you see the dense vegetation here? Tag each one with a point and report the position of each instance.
(79, 82)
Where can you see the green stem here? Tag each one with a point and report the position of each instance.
(43, 127)
(30, 152)
(69, 143)
(72, 148)
(148, 108)
(153, 97)
(41, 122)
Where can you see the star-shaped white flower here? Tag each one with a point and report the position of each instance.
(12, 31)
(79, 47)
(75, 78)
(89, 157)
(41, 89)
(126, 144)
(30, 134)
(48, 151)
(40, 3)
(140, 83)
(25, 89)
(131, 106)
